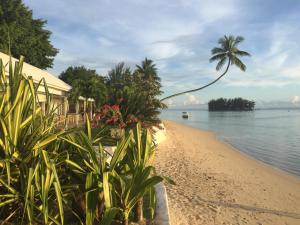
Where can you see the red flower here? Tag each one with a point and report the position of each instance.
(110, 115)
(98, 116)
(115, 108)
(109, 120)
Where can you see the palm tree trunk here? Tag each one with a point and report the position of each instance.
(198, 89)
(139, 212)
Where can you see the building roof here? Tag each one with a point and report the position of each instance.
(37, 74)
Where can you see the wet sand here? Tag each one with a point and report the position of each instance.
(216, 184)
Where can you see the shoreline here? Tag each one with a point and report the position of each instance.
(265, 164)
(239, 150)
(219, 184)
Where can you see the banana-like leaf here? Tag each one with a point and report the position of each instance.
(91, 198)
(75, 165)
(88, 127)
(106, 190)
(142, 189)
(59, 201)
(4, 203)
(120, 152)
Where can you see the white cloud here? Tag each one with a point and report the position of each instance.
(191, 100)
(292, 72)
(169, 102)
(209, 11)
(169, 49)
(105, 42)
(163, 50)
(296, 99)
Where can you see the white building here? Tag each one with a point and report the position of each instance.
(59, 91)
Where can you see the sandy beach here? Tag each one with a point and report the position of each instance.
(216, 184)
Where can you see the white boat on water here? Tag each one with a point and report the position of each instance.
(185, 115)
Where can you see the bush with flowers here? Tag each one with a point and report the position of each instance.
(109, 115)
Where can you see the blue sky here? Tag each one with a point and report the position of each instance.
(178, 35)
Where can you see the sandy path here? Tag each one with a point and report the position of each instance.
(218, 185)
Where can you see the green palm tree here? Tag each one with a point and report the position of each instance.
(147, 77)
(226, 53)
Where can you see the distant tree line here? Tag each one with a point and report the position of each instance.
(231, 104)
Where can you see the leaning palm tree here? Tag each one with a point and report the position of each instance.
(228, 52)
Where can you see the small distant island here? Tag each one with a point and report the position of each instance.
(231, 104)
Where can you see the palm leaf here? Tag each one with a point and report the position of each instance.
(242, 53)
(238, 40)
(221, 63)
(217, 57)
(236, 61)
(217, 51)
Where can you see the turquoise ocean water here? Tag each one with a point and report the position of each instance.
(272, 136)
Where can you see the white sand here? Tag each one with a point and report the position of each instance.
(216, 184)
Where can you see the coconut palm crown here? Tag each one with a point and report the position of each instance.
(146, 73)
(226, 53)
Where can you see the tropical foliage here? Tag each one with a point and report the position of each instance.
(51, 176)
(27, 36)
(135, 93)
(229, 53)
(29, 160)
(147, 79)
(86, 83)
(139, 91)
(235, 104)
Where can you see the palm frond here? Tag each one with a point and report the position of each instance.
(228, 50)
(221, 63)
(217, 51)
(236, 61)
(238, 40)
(217, 57)
(242, 53)
(222, 41)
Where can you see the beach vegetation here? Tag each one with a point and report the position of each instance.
(57, 176)
(137, 92)
(30, 163)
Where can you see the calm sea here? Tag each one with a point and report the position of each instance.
(272, 136)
